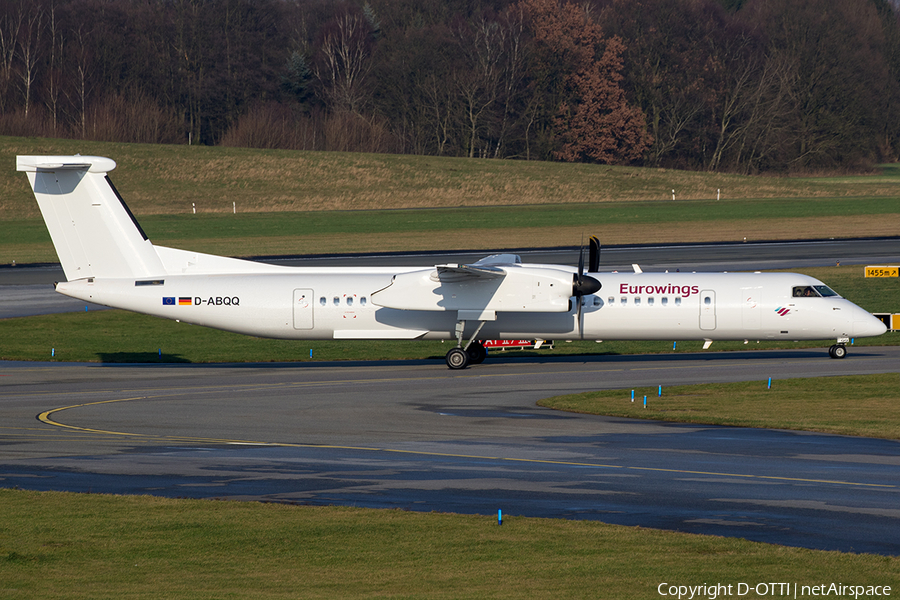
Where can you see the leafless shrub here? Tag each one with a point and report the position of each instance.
(273, 125)
(35, 124)
(135, 119)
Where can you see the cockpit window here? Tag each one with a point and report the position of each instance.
(813, 291)
(825, 291)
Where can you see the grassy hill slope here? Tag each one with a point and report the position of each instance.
(291, 202)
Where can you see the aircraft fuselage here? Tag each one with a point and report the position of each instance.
(300, 303)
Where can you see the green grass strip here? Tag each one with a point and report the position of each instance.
(267, 233)
(859, 405)
(63, 545)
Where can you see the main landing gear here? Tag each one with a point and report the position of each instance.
(473, 352)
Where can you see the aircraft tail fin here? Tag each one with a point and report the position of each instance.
(93, 231)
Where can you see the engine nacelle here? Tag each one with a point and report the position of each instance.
(509, 289)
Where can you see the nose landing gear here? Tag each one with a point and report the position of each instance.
(837, 351)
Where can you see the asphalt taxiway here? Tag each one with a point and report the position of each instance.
(418, 436)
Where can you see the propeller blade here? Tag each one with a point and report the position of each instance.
(594, 255)
(581, 259)
(580, 317)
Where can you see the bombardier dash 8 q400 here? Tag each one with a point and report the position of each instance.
(108, 259)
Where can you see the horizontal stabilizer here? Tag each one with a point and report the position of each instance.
(91, 164)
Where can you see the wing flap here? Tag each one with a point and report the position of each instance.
(464, 273)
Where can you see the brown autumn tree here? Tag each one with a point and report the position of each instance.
(593, 121)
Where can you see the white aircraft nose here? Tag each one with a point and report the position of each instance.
(866, 325)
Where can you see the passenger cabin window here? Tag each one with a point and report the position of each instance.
(664, 301)
(336, 301)
(612, 300)
(323, 301)
(637, 301)
(678, 301)
(650, 301)
(349, 300)
(362, 301)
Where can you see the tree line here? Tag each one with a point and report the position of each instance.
(725, 85)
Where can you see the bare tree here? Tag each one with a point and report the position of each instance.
(478, 80)
(345, 62)
(737, 64)
(80, 51)
(29, 49)
(761, 126)
(438, 102)
(10, 26)
(54, 68)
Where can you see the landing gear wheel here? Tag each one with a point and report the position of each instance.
(837, 351)
(477, 353)
(457, 358)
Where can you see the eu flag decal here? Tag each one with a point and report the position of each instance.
(167, 301)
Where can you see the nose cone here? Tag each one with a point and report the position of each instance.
(867, 325)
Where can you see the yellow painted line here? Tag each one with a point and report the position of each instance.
(45, 417)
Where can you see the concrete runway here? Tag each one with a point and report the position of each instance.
(415, 435)
(418, 436)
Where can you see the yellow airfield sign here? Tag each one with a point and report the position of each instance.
(882, 271)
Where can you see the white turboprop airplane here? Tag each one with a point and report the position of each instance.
(108, 259)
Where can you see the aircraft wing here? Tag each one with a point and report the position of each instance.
(495, 283)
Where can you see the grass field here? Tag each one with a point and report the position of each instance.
(158, 179)
(56, 545)
(818, 404)
(292, 202)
